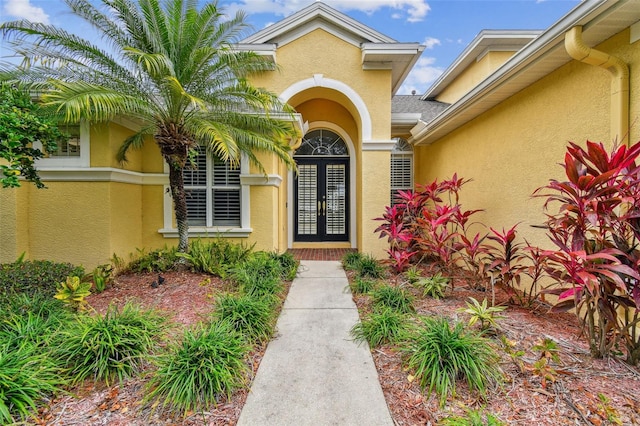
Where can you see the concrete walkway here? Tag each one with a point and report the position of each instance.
(312, 373)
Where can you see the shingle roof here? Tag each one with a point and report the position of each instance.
(413, 104)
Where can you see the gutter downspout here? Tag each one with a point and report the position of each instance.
(619, 83)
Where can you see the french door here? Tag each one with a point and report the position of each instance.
(322, 199)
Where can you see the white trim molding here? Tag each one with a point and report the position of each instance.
(203, 232)
(261, 180)
(383, 145)
(82, 161)
(318, 80)
(101, 174)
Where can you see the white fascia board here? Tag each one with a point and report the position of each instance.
(267, 50)
(403, 118)
(548, 40)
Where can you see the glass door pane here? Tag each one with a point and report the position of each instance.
(336, 211)
(307, 199)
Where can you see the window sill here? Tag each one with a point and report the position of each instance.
(223, 232)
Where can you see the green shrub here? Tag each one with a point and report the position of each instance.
(385, 326)
(413, 274)
(259, 275)
(26, 375)
(102, 276)
(110, 346)
(362, 285)
(73, 291)
(472, 418)
(433, 286)
(208, 362)
(369, 267)
(36, 276)
(396, 298)
(440, 355)
(480, 312)
(351, 260)
(159, 260)
(215, 257)
(252, 317)
(288, 264)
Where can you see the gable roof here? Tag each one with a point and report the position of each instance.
(379, 52)
(600, 20)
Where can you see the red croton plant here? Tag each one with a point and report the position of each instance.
(596, 229)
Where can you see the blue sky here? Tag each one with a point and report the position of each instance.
(446, 27)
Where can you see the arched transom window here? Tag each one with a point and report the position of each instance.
(322, 142)
(401, 168)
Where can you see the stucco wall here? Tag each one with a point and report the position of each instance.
(515, 147)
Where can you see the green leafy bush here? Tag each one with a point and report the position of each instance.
(434, 286)
(413, 274)
(439, 355)
(34, 276)
(385, 326)
(259, 275)
(480, 312)
(73, 291)
(159, 260)
(215, 257)
(288, 264)
(208, 363)
(110, 346)
(396, 298)
(252, 317)
(363, 285)
(369, 267)
(351, 260)
(26, 375)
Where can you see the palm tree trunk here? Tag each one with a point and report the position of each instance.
(176, 183)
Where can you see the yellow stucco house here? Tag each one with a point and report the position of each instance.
(501, 114)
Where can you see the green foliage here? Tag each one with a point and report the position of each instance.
(259, 275)
(413, 274)
(250, 316)
(26, 375)
(369, 267)
(21, 125)
(288, 264)
(102, 277)
(383, 326)
(351, 260)
(363, 285)
(72, 291)
(439, 355)
(607, 411)
(37, 276)
(159, 260)
(396, 298)
(472, 418)
(434, 286)
(110, 346)
(208, 363)
(215, 257)
(486, 315)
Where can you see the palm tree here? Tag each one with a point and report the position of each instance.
(168, 65)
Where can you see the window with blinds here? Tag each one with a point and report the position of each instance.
(69, 146)
(401, 168)
(213, 192)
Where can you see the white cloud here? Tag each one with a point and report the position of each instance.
(22, 9)
(415, 10)
(422, 75)
(431, 42)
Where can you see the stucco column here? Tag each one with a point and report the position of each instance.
(374, 190)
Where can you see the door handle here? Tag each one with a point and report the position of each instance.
(324, 208)
(319, 208)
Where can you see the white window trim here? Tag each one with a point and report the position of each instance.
(61, 162)
(243, 231)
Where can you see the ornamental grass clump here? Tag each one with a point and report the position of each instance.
(208, 363)
(381, 327)
(433, 287)
(439, 355)
(259, 275)
(395, 298)
(112, 346)
(252, 317)
(363, 285)
(27, 374)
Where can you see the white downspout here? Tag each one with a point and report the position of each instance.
(619, 82)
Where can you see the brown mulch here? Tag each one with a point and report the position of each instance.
(186, 299)
(572, 399)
